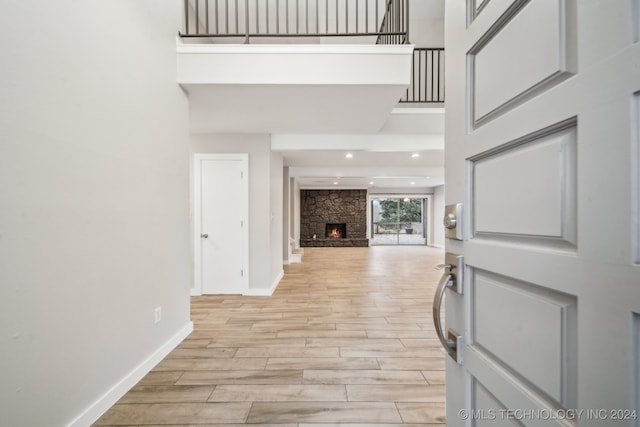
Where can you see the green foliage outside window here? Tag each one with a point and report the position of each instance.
(410, 211)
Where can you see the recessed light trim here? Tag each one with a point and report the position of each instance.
(415, 155)
(349, 155)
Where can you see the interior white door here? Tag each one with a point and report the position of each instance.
(221, 224)
(542, 151)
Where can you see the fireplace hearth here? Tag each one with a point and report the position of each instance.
(335, 231)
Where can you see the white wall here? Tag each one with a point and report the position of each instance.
(438, 213)
(276, 216)
(296, 211)
(286, 215)
(261, 185)
(426, 23)
(93, 203)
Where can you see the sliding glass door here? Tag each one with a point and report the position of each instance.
(398, 221)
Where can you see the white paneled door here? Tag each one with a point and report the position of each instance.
(221, 223)
(542, 179)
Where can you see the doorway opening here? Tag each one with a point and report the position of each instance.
(398, 220)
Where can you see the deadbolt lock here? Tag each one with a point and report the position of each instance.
(453, 221)
(450, 221)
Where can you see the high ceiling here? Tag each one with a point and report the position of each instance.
(316, 126)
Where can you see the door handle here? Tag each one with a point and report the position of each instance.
(454, 265)
(204, 236)
(453, 341)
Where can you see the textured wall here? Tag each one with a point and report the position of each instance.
(319, 207)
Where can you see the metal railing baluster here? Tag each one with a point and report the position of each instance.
(197, 16)
(186, 16)
(246, 21)
(297, 17)
(346, 16)
(366, 16)
(257, 18)
(206, 11)
(326, 17)
(220, 19)
(427, 73)
(217, 15)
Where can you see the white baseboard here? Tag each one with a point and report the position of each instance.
(100, 406)
(265, 292)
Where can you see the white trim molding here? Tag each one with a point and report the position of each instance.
(265, 292)
(100, 406)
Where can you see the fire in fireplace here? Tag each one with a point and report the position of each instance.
(336, 231)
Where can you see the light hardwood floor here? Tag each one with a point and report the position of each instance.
(346, 340)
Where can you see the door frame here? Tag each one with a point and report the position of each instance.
(427, 211)
(197, 216)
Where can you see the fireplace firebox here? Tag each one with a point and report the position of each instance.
(336, 231)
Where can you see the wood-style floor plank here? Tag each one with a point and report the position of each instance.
(346, 340)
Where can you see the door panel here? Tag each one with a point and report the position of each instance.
(496, 88)
(221, 221)
(538, 199)
(488, 410)
(511, 318)
(542, 149)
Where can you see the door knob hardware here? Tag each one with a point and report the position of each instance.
(452, 221)
(204, 236)
(452, 343)
(449, 221)
(453, 266)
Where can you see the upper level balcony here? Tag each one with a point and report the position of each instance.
(303, 66)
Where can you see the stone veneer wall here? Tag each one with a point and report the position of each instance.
(319, 207)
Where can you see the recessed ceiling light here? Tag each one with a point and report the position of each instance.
(414, 155)
(335, 182)
(413, 183)
(348, 155)
(371, 183)
(427, 177)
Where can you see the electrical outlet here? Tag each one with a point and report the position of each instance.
(157, 314)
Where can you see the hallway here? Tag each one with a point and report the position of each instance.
(347, 338)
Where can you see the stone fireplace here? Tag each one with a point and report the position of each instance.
(333, 218)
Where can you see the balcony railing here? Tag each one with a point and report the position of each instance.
(427, 76)
(385, 21)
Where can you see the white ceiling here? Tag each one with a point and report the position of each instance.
(308, 109)
(379, 161)
(314, 127)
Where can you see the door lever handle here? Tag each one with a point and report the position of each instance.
(452, 343)
(445, 266)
